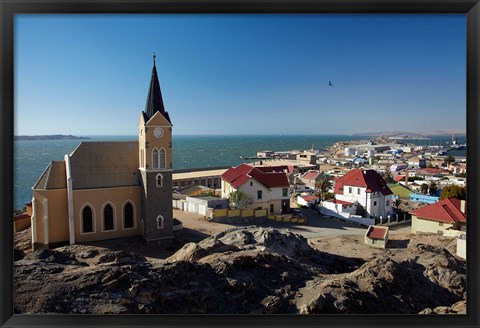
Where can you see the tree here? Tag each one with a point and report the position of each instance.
(424, 188)
(239, 199)
(397, 203)
(323, 186)
(454, 191)
(432, 188)
(388, 177)
(449, 160)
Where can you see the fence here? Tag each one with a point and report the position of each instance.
(225, 214)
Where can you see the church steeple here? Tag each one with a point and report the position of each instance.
(154, 97)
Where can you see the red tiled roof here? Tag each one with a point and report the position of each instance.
(270, 180)
(338, 201)
(447, 210)
(269, 177)
(309, 198)
(375, 232)
(21, 216)
(399, 178)
(369, 179)
(311, 175)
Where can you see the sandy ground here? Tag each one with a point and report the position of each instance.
(327, 235)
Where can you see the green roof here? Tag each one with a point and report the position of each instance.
(399, 190)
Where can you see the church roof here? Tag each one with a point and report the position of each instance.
(154, 97)
(105, 164)
(54, 177)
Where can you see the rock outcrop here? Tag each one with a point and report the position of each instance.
(241, 270)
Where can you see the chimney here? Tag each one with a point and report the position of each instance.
(462, 206)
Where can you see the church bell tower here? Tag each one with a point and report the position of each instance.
(155, 164)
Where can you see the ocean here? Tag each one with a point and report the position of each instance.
(32, 157)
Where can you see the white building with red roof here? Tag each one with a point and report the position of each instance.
(368, 189)
(267, 186)
(447, 214)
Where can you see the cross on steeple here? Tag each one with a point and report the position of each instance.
(154, 97)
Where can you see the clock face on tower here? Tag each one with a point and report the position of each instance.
(158, 132)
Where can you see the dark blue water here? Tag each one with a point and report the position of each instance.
(32, 157)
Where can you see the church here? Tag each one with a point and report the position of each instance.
(105, 190)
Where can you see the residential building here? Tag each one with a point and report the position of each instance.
(416, 162)
(105, 190)
(376, 236)
(307, 200)
(311, 177)
(198, 177)
(268, 188)
(447, 214)
(368, 189)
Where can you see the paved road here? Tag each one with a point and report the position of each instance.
(318, 226)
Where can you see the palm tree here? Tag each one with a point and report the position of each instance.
(432, 188)
(424, 188)
(323, 186)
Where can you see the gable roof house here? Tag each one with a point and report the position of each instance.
(267, 186)
(368, 189)
(447, 214)
(311, 177)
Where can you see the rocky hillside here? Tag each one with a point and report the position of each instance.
(241, 270)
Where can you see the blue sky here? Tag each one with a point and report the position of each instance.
(241, 74)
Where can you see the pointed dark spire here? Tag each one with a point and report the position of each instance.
(154, 97)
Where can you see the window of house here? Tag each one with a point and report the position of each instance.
(358, 191)
(162, 158)
(128, 221)
(155, 159)
(160, 222)
(108, 218)
(159, 180)
(259, 194)
(388, 203)
(271, 208)
(350, 190)
(375, 203)
(251, 183)
(87, 219)
(285, 192)
(203, 182)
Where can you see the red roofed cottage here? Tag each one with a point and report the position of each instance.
(447, 214)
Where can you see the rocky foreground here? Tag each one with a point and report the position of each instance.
(241, 270)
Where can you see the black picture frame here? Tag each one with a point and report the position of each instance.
(9, 8)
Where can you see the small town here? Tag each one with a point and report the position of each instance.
(358, 227)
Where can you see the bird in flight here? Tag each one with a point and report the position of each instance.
(330, 83)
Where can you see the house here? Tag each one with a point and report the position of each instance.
(447, 214)
(307, 200)
(311, 177)
(416, 162)
(376, 236)
(199, 205)
(23, 220)
(267, 187)
(105, 190)
(334, 206)
(368, 189)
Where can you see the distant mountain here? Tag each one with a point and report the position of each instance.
(408, 134)
(50, 137)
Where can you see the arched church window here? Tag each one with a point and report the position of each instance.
(162, 158)
(108, 218)
(155, 159)
(87, 219)
(159, 180)
(160, 222)
(128, 221)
